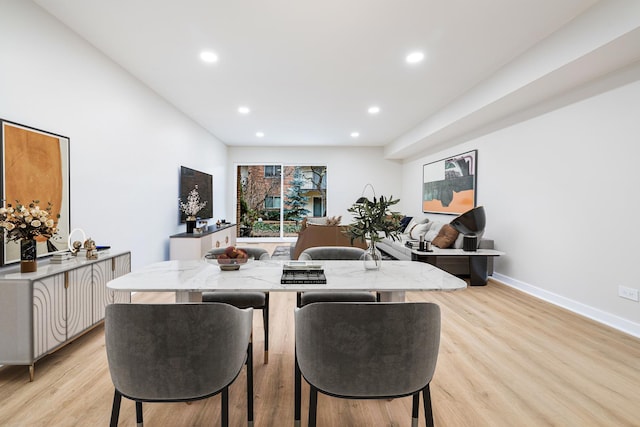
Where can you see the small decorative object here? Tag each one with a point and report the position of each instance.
(231, 259)
(27, 224)
(201, 228)
(372, 219)
(90, 247)
(471, 224)
(191, 208)
(76, 247)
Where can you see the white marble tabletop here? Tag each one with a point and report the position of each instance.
(199, 276)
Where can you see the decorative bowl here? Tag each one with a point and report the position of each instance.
(227, 264)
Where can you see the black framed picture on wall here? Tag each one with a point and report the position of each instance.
(35, 170)
(449, 185)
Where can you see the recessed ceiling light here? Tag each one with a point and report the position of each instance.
(208, 56)
(415, 57)
(374, 109)
(355, 134)
(244, 110)
(259, 134)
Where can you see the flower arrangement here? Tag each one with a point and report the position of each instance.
(27, 221)
(193, 204)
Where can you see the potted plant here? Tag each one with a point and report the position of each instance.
(373, 221)
(26, 223)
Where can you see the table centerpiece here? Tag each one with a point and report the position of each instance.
(374, 220)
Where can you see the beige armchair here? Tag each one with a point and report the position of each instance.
(313, 235)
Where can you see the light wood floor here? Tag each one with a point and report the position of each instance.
(506, 359)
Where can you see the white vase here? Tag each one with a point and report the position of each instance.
(372, 258)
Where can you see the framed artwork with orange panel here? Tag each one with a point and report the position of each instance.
(449, 185)
(35, 167)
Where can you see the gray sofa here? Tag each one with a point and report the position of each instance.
(457, 265)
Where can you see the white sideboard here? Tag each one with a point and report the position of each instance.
(42, 311)
(188, 246)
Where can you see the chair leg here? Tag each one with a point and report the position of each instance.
(265, 318)
(415, 409)
(428, 410)
(139, 421)
(250, 384)
(297, 376)
(313, 405)
(224, 411)
(115, 409)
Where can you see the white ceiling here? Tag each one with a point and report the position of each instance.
(309, 70)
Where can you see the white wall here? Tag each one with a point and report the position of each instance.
(348, 171)
(561, 195)
(127, 144)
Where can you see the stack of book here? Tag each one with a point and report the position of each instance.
(61, 257)
(300, 273)
(412, 244)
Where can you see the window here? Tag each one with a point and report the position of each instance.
(272, 202)
(272, 171)
(274, 199)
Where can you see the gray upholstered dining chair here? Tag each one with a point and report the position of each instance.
(246, 299)
(310, 297)
(333, 253)
(177, 353)
(368, 351)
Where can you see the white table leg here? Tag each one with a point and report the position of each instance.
(392, 296)
(184, 296)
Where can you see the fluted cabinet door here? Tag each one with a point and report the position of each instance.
(102, 273)
(49, 314)
(79, 297)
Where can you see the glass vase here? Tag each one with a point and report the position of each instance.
(28, 263)
(372, 257)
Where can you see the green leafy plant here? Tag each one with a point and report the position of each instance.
(374, 220)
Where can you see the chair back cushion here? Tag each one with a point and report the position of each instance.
(368, 350)
(332, 253)
(162, 352)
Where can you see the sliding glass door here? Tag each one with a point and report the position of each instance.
(273, 199)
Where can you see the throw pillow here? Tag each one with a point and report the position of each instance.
(418, 230)
(459, 241)
(404, 222)
(413, 221)
(445, 237)
(435, 228)
(334, 220)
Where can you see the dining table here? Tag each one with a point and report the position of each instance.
(189, 278)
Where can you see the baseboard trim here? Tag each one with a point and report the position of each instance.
(600, 316)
